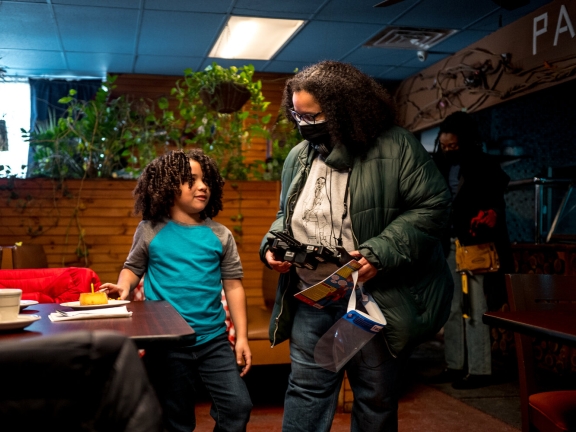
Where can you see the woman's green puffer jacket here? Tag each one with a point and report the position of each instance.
(399, 207)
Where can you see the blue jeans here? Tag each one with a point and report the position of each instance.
(312, 395)
(174, 373)
(470, 337)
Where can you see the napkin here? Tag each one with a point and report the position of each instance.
(113, 312)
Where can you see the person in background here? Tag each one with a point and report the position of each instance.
(363, 183)
(187, 259)
(477, 184)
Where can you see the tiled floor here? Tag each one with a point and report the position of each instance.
(423, 407)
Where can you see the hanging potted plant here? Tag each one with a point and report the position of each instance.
(224, 90)
(209, 115)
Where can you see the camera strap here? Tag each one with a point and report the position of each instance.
(345, 212)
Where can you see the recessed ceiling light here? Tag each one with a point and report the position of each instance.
(253, 38)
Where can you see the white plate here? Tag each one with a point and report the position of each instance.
(20, 322)
(26, 303)
(111, 303)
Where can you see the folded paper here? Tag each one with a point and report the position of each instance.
(331, 289)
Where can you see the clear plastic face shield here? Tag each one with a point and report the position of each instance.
(351, 332)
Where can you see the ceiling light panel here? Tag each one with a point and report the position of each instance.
(253, 38)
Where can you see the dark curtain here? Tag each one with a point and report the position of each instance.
(45, 94)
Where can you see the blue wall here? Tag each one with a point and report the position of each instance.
(541, 128)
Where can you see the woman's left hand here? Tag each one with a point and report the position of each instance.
(367, 271)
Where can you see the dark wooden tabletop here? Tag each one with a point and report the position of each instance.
(151, 322)
(560, 326)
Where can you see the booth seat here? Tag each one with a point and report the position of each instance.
(50, 285)
(259, 321)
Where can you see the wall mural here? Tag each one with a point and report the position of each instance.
(535, 52)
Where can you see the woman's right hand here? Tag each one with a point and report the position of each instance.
(279, 266)
(113, 290)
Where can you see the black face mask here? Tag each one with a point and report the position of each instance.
(453, 157)
(318, 135)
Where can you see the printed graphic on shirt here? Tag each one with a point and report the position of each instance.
(316, 222)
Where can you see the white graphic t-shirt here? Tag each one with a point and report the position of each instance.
(317, 217)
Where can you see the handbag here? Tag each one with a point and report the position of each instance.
(477, 259)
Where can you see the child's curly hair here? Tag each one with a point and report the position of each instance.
(160, 182)
(356, 107)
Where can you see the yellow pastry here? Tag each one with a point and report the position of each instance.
(96, 298)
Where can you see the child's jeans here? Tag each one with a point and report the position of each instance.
(174, 374)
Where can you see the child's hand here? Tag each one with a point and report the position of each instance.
(113, 291)
(243, 355)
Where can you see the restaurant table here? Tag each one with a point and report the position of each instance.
(556, 325)
(151, 323)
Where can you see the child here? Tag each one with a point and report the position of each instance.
(187, 258)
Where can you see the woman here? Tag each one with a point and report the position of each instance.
(477, 184)
(385, 202)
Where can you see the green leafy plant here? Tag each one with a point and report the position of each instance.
(282, 138)
(104, 137)
(202, 117)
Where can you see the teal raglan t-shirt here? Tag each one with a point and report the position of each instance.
(185, 265)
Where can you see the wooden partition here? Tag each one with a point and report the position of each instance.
(98, 214)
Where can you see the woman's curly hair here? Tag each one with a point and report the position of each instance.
(159, 184)
(356, 107)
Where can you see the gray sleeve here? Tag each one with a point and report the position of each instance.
(137, 261)
(230, 266)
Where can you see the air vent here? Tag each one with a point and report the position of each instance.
(409, 38)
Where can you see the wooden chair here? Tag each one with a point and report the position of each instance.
(550, 411)
(23, 257)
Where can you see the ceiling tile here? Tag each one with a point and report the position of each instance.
(300, 9)
(46, 72)
(166, 65)
(27, 26)
(92, 29)
(452, 14)
(219, 6)
(31, 59)
(103, 63)
(362, 11)
(379, 56)
(326, 40)
(131, 4)
(178, 33)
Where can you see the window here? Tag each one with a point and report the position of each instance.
(15, 111)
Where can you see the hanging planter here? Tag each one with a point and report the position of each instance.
(227, 97)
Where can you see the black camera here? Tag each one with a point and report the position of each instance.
(287, 248)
